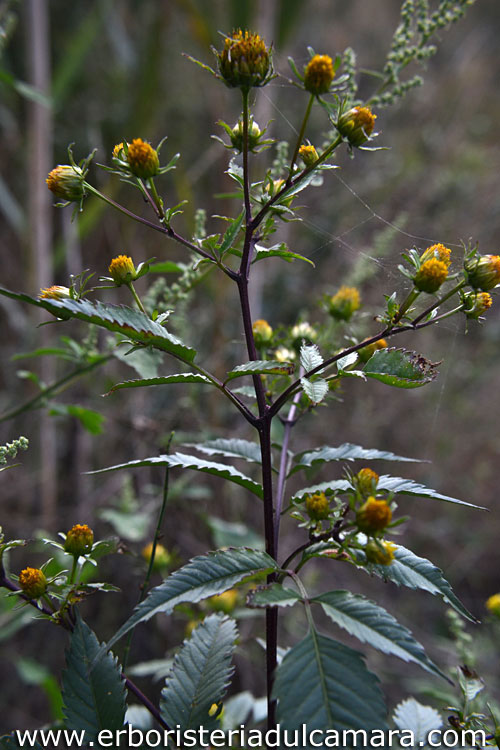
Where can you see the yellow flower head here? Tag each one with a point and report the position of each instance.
(374, 515)
(366, 481)
(317, 506)
(79, 540)
(356, 125)
(367, 351)
(66, 182)
(380, 552)
(142, 159)
(493, 604)
(483, 271)
(319, 74)
(163, 558)
(55, 292)
(476, 303)
(245, 61)
(224, 602)
(438, 251)
(344, 303)
(119, 151)
(122, 270)
(33, 582)
(308, 154)
(262, 332)
(431, 275)
(254, 134)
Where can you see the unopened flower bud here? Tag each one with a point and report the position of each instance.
(66, 182)
(245, 60)
(438, 251)
(493, 604)
(317, 506)
(380, 552)
(344, 303)
(33, 582)
(55, 292)
(369, 350)
(356, 125)
(483, 271)
(142, 159)
(163, 558)
(254, 134)
(79, 540)
(122, 270)
(308, 154)
(262, 332)
(366, 481)
(303, 331)
(319, 74)
(431, 275)
(119, 151)
(476, 303)
(374, 515)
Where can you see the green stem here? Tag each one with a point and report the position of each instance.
(246, 180)
(300, 138)
(158, 201)
(136, 297)
(439, 302)
(74, 568)
(410, 299)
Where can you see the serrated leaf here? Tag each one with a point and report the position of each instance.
(200, 675)
(227, 534)
(273, 595)
(418, 719)
(407, 569)
(91, 420)
(401, 486)
(182, 377)
(344, 452)
(278, 251)
(346, 361)
(310, 357)
(315, 390)
(400, 368)
(93, 689)
(325, 685)
(371, 624)
(234, 448)
(118, 318)
(231, 234)
(183, 461)
(261, 367)
(202, 577)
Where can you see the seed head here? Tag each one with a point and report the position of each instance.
(356, 125)
(122, 270)
(317, 506)
(374, 515)
(319, 74)
(245, 61)
(142, 159)
(66, 182)
(33, 582)
(483, 271)
(79, 540)
(431, 275)
(344, 303)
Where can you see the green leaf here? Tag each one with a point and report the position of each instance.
(412, 716)
(165, 266)
(401, 368)
(202, 577)
(401, 486)
(234, 448)
(278, 251)
(407, 569)
(226, 534)
(231, 234)
(145, 362)
(325, 685)
(336, 485)
(371, 624)
(90, 419)
(310, 357)
(261, 367)
(344, 452)
(182, 377)
(273, 595)
(315, 390)
(93, 689)
(182, 461)
(200, 675)
(119, 318)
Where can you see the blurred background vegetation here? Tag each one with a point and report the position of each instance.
(97, 72)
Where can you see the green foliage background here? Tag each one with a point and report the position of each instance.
(118, 72)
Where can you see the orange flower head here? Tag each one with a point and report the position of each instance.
(66, 182)
(122, 270)
(380, 552)
(431, 275)
(356, 125)
(142, 159)
(344, 303)
(245, 61)
(483, 271)
(366, 481)
(79, 540)
(374, 515)
(55, 292)
(319, 74)
(317, 506)
(33, 582)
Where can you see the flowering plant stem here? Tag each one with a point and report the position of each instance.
(300, 138)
